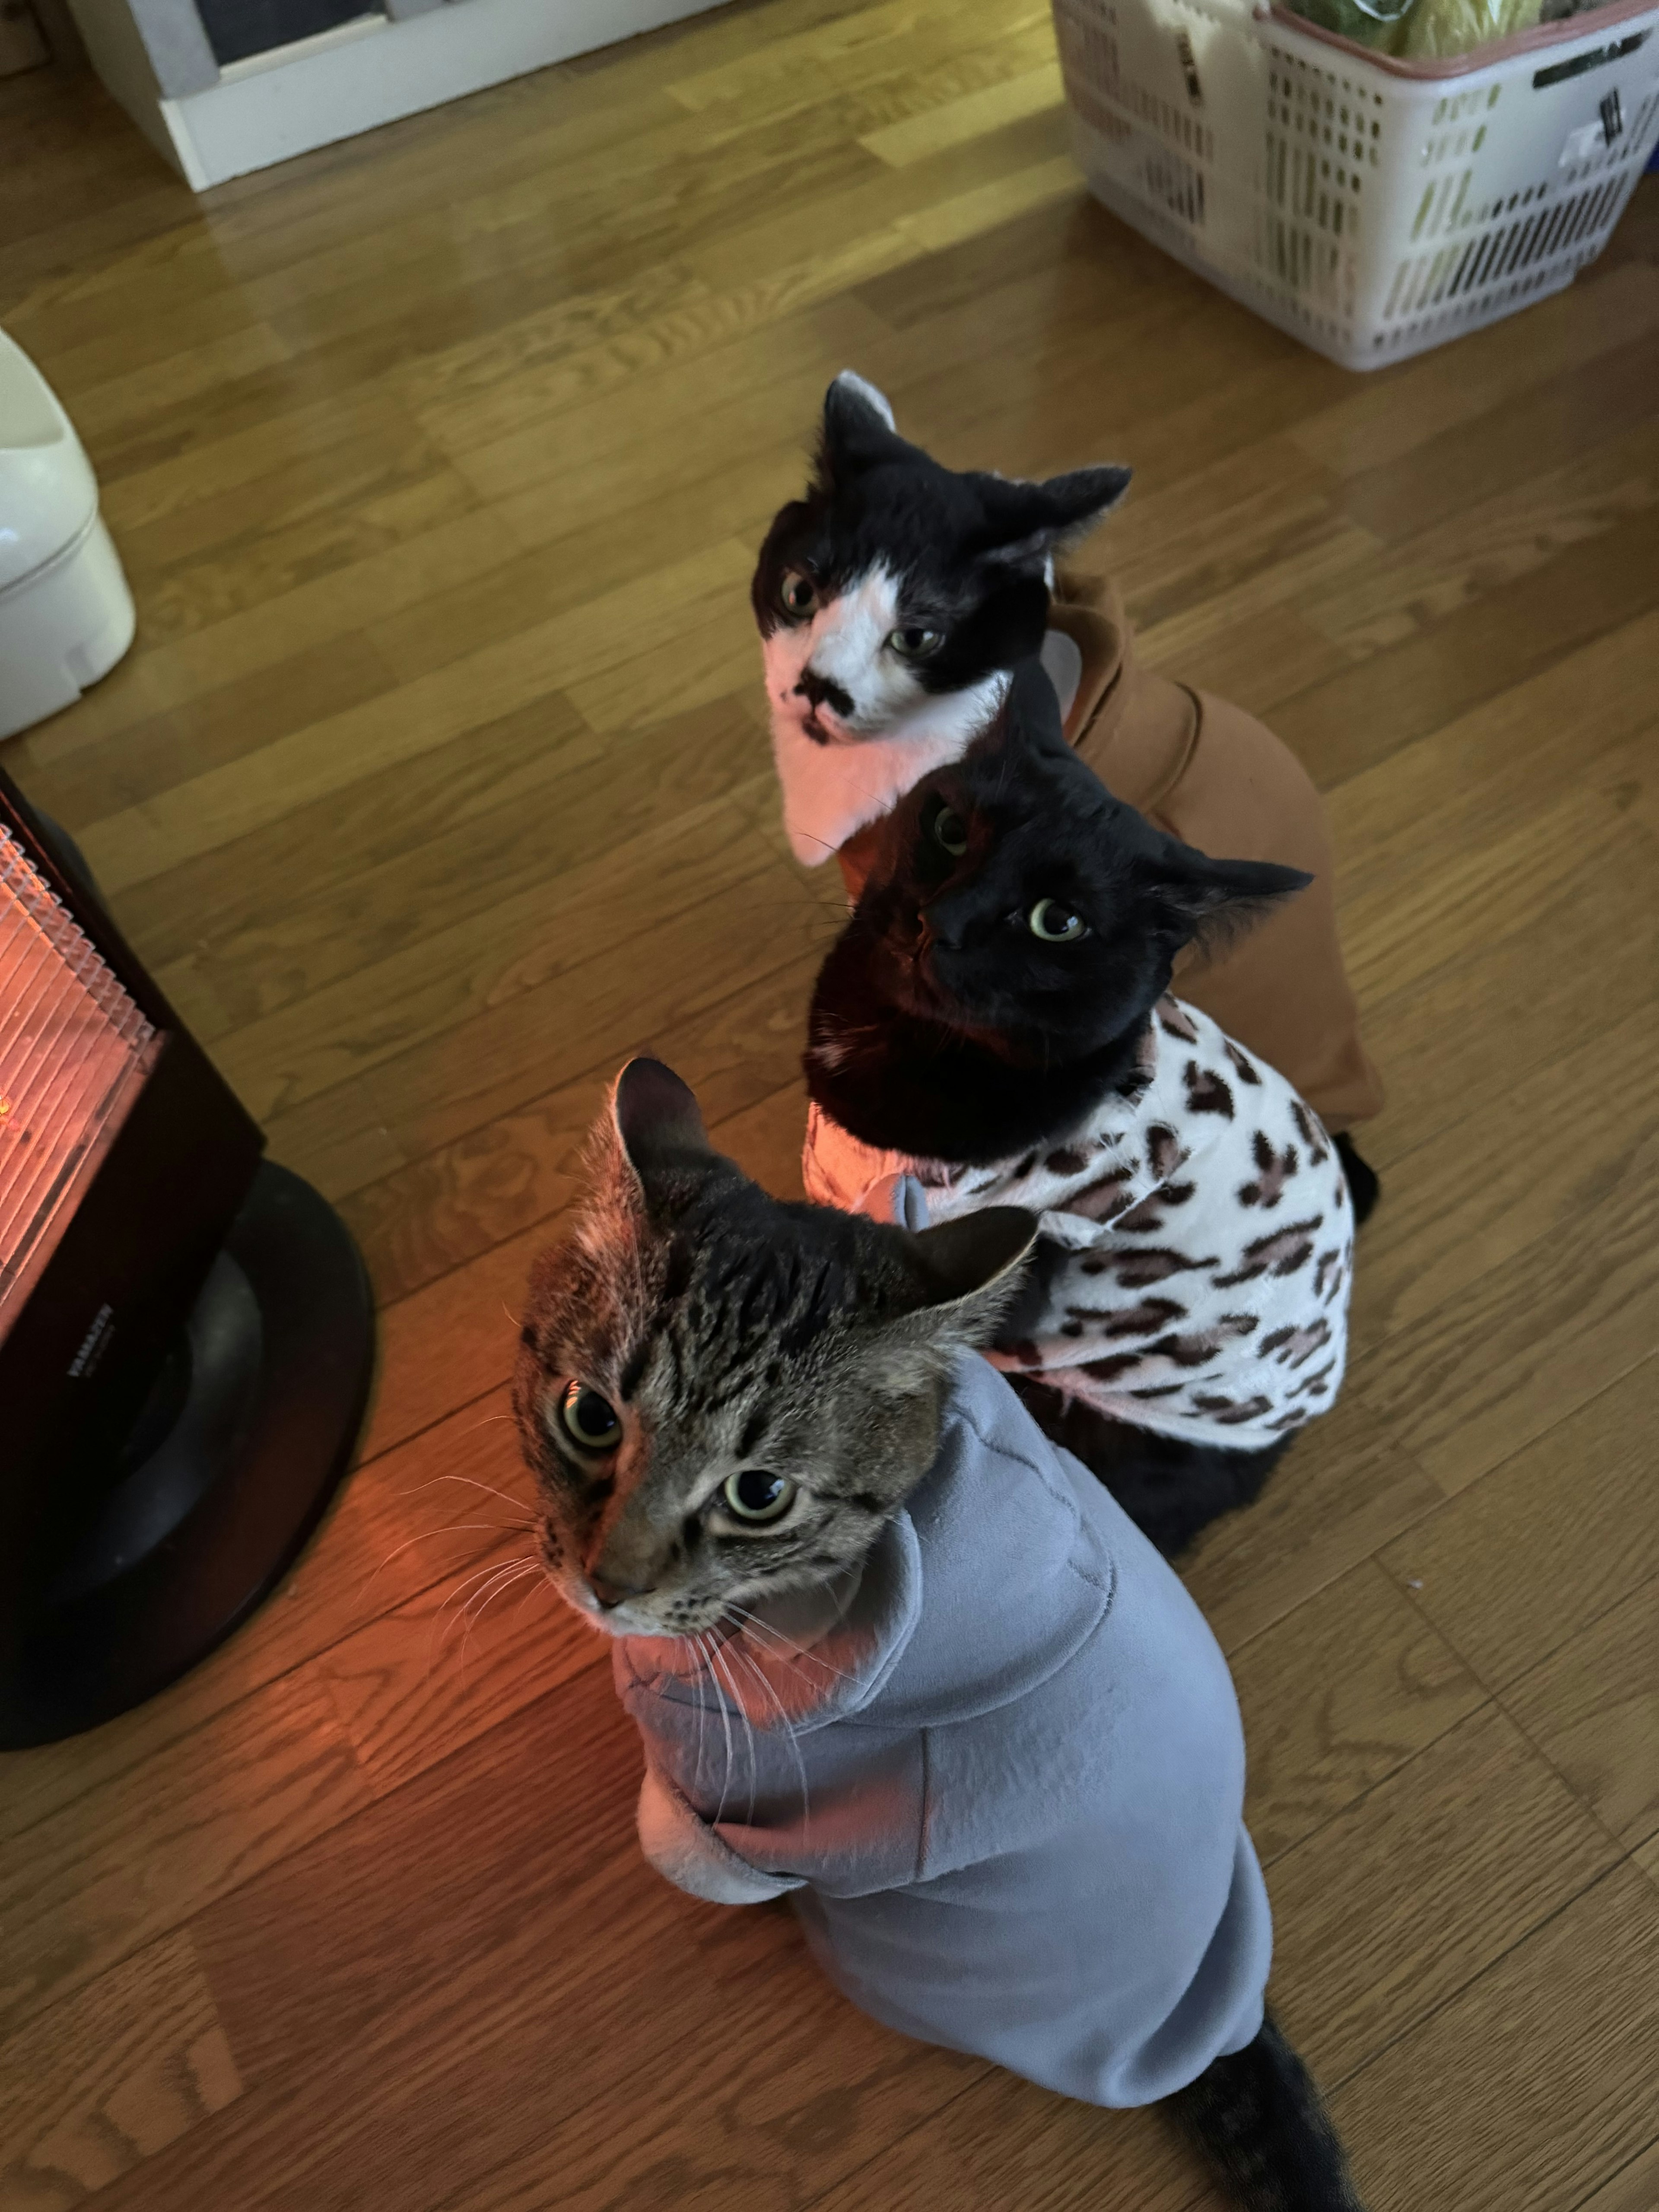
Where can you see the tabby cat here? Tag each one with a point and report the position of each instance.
(892, 1654)
(992, 1021)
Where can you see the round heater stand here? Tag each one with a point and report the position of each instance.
(246, 1434)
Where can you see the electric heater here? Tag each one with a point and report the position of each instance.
(185, 1330)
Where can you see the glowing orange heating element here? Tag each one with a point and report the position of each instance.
(74, 1050)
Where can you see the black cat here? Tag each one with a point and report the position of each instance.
(994, 1018)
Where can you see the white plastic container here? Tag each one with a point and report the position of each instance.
(1371, 208)
(66, 614)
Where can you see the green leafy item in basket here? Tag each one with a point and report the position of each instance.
(1421, 30)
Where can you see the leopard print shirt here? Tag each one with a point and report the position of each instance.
(1196, 1253)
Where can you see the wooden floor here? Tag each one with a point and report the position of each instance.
(436, 784)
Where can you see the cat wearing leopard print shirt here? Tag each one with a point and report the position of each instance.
(994, 1027)
(1199, 1241)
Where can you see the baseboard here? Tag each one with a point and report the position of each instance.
(343, 82)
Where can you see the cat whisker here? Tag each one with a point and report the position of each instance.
(517, 1503)
(726, 1724)
(760, 1676)
(477, 1575)
(478, 1603)
(424, 1537)
(502, 1584)
(547, 1584)
(754, 1625)
(751, 1623)
(456, 1603)
(696, 1756)
(467, 1584)
(730, 1676)
(696, 1642)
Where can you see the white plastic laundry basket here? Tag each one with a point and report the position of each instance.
(1371, 208)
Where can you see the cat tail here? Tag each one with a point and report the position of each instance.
(1259, 2118)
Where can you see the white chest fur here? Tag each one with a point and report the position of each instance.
(852, 727)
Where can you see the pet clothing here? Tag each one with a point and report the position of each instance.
(1008, 1797)
(1196, 1247)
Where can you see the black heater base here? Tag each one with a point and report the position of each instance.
(245, 1437)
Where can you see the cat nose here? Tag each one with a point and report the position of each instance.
(611, 1595)
(820, 691)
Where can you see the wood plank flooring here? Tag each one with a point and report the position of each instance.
(437, 783)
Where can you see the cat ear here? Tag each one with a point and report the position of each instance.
(1029, 522)
(1210, 902)
(856, 397)
(858, 427)
(657, 1121)
(963, 1276)
(972, 1267)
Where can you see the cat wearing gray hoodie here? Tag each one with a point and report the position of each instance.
(895, 1655)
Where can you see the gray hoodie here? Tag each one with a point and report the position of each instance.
(1004, 1783)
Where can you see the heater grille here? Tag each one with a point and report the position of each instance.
(75, 1049)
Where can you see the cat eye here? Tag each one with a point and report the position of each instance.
(951, 831)
(915, 644)
(1055, 924)
(756, 1497)
(796, 594)
(591, 1421)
